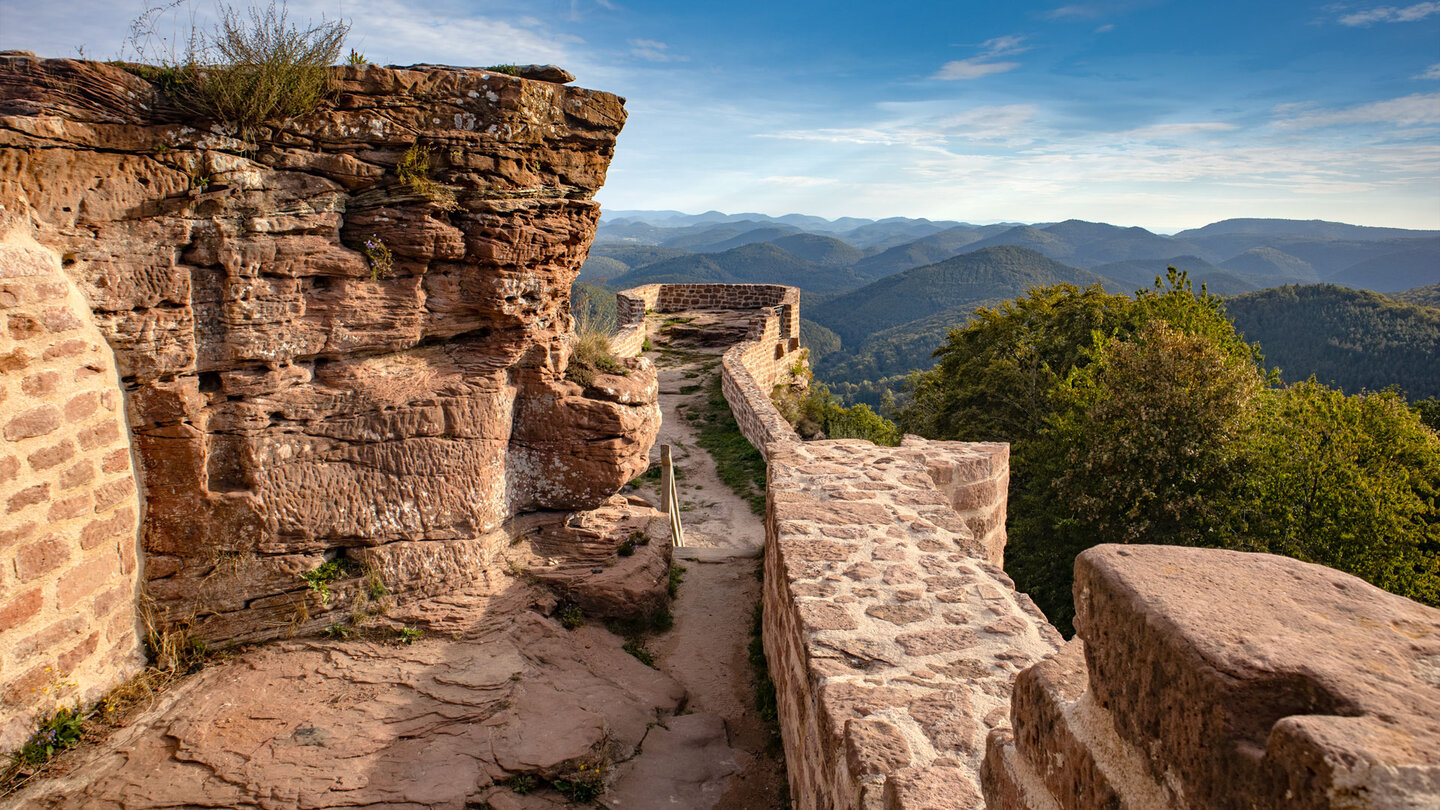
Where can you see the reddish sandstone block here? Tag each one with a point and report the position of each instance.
(120, 630)
(41, 384)
(9, 536)
(61, 319)
(22, 690)
(112, 493)
(81, 473)
(85, 579)
(67, 348)
(70, 660)
(116, 460)
(101, 530)
(50, 290)
(19, 608)
(23, 327)
(40, 557)
(11, 295)
(28, 497)
(81, 406)
(71, 507)
(52, 636)
(109, 600)
(99, 436)
(9, 468)
(50, 456)
(127, 556)
(87, 371)
(34, 422)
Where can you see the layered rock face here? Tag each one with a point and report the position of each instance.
(322, 353)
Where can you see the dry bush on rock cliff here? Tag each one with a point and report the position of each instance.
(251, 69)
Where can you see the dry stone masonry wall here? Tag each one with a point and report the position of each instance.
(891, 632)
(319, 357)
(69, 504)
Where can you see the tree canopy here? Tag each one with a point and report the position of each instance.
(1149, 420)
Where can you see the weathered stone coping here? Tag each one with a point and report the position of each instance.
(1218, 679)
(891, 639)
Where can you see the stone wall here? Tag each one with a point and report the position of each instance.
(295, 396)
(750, 369)
(891, 632)
(1216, 679)
(69, 505)
(891, 637)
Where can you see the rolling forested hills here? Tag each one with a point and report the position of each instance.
(1349, 339)
(879, 295)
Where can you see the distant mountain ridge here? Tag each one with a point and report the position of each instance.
(886, 290)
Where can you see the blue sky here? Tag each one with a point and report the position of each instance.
(1136, 112)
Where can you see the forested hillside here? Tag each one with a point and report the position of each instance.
(1351, 339)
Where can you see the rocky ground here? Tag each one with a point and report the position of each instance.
(497, 704)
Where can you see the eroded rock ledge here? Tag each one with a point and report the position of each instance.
(292, 399)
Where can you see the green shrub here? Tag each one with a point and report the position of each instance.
(57, 732)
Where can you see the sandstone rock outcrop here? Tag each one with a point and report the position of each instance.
(319, 355)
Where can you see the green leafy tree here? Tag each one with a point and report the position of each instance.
(1347, 481)
(1148, 420)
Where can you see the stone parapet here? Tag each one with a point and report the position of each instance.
(891, 637)
(1218, 679)
(770, 354)
(69, 504)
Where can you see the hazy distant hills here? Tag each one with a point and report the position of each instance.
(887, 289)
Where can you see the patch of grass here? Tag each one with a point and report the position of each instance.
(571, 616)
(356, 58)
(382, 260)
(319, 579)
(689, 389)
(508, 70)
(56, 732)
(585, 784)
(645, 345)
(740, 465)
(625, 549)
(414, 171)
(522, 783)
(765, 699)
(636, 647)
(677, 576)
(592, 356)
(405, 634)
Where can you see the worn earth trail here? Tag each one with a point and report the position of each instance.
(707, 651)
(496, 705)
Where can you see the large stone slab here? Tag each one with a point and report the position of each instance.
(1251, 680)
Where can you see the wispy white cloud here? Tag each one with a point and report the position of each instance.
(1390, 14)
(1071, 12)
(1002, 124)
(1178, 130)
(1432, 72)
(983, 64)
(654, 51)
(1105, 29)
(798, 181)
(1419, 109)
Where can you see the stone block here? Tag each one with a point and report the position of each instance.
(34, 422)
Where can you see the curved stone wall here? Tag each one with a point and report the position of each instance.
(69, 504)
